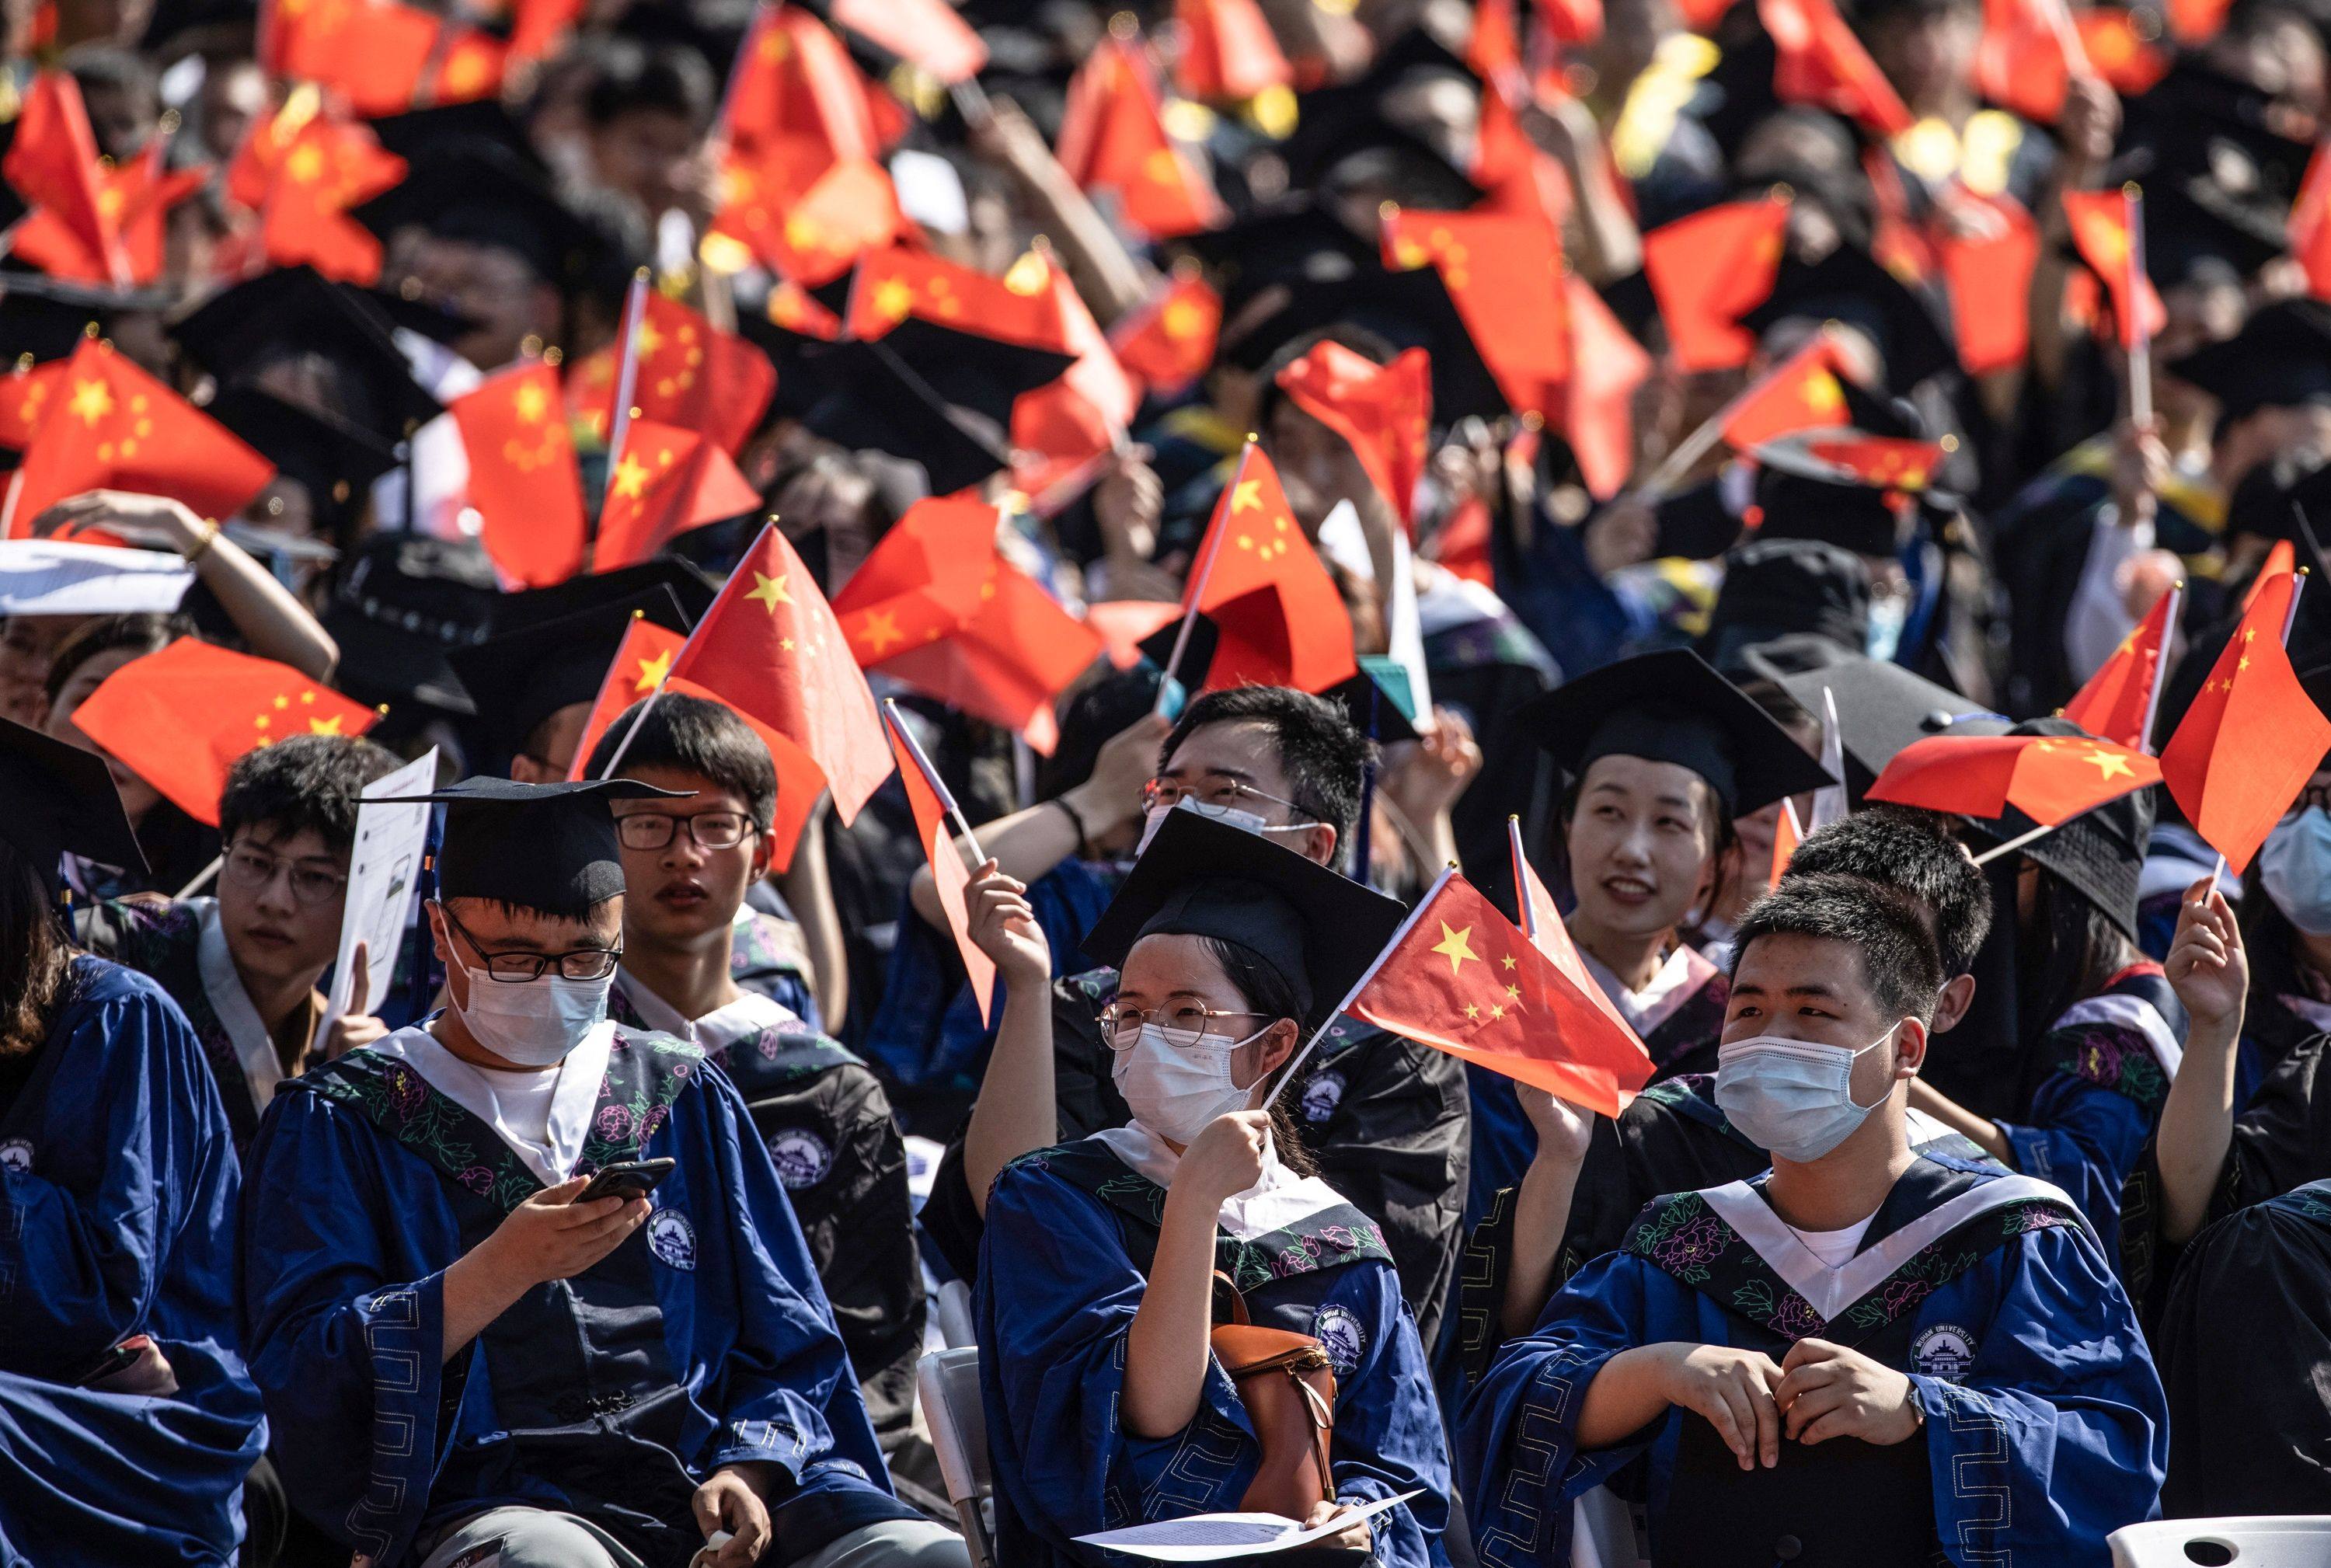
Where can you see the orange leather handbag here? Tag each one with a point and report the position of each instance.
(1288, 1389)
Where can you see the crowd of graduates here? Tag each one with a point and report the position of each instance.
(1537, 781)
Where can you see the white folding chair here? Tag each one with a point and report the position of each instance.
(2258, 1540)
(1602, 1532)
(951, 1310)
(948, 1382)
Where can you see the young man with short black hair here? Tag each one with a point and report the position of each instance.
(688, 865)
(1869, 1355)
(243, 964)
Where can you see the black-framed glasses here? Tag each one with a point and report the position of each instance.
(253, 869)
(518, 968)
(710, 830)
(1184, 1024)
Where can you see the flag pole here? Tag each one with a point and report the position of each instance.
(2161, 666)
(932, 777)
(1390, 947)
(1197, 588)
(1522, 904)
(2020, 840)
(1694, 446)
(627, 374)
(625, 744)
(2139, 340)
(201, 878)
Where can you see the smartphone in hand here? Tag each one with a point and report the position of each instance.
(625, 1179)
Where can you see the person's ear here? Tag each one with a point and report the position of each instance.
(1277, 1046)
(1952, 1003)
(765, 850)
(1319, 845)
(1910, 1049)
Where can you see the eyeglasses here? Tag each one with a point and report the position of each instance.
(1213, 790)
(710, 830)
(518, 968)
(253, 871)
(1184, 1024)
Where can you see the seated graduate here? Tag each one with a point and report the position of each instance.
(1662, 754)
(243, 965)
(2104, 1027)
(1384, 1118)
(131, 1421)
(1105, 1404)
(1673, 1137)
(1870, 1357)
(460, 1353)
(688, 864)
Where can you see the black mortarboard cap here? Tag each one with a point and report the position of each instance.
(690, 588)
(869, 397)
(1201, 878)
(408, 601)
(1408, 310)
(47, 317)
(336, 460)
(1295, 242)
(1882, 708)
(2199, 121)
(1849, 285)
(1673, 707)
(1336, 121)
(2100, 852)
(2194, 227)
(417, 132)
(1805, 495)
(292, 313)
(1776, 587)
(539, 846)
(60, 800)
(479, 193)
(519, 678)
(2282, 358)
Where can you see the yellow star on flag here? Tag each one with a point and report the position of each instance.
(893, 299)
(2110, 764)
(531, 403)
(631, 479)
(652, 671)
(1471, 1010)
(93, 400)
(1247, 497)
(770, 591)
(650, 339)
(880, 630)
(325, 726)
(1496, 1011)
(1456, 946)
(1507, 961)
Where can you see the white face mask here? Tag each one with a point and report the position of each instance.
(2295, 868)
(536, 1023)
(1239, 817)
(1791, 1098)
(1175, 1090)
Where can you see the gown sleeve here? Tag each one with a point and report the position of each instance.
(2085, 1136)
(1056, 1297)
(348, 1355)
(1518, 1449)
(2059, 1432)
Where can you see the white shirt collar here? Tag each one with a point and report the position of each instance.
(718, 1030)
(571, 1103)
(1678, 980)
(253, 1047)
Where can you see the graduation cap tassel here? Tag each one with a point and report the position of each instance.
(1195, 595)
(1392, 945)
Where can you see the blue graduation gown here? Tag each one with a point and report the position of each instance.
(117, 1186)
(702, 1340)
(1070, 1233)
(2045, 1422)
(2112, 1057)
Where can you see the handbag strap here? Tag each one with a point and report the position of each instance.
(1237, 1302)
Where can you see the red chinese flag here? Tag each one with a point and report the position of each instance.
(1461, 979)
(1988, 279)
(2100, 223)
(2129, 61)
(180, 718)
(1280, 619)
(950, 875)
(927, 32)
(2048, 777)
(810, 229)
(1503, 271)
(523, 481)
(1543, 922)
(537, 27)
(1384, 412)
(666, 481)
(1228, 51)
(2029, 54)
(138, 195)
(379, 56)
(2253, 738)
(2310, 222)
(301, 173)
(2114, 701)
(1599, 404)
(1819, 62)
(1886, 461)
(794, 79)
(1123, 624)
(690, 374)
(1060, 428)
(1113, 139)
(1786, 837)
(1803, 392)
(52, 163)
(1493, 51)
(111, 426)
(1170, 342)
(771, 647)
(1708, 270)
(642, 661)
(24, 397)
(921, 581)
(894, 284)
(2282, 558)
(1575, 23)
(2196, 20)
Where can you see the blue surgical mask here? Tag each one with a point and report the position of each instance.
(1889, 614)
(2295, 869)
(1791, 1098)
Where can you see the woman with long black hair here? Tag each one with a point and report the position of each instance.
(130, 1421)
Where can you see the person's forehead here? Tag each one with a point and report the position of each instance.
(700, 794)
(1244, 746)
(1642, 778)
(291, 844)
(497, 925)
(1160, 964)
(1790, 961)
